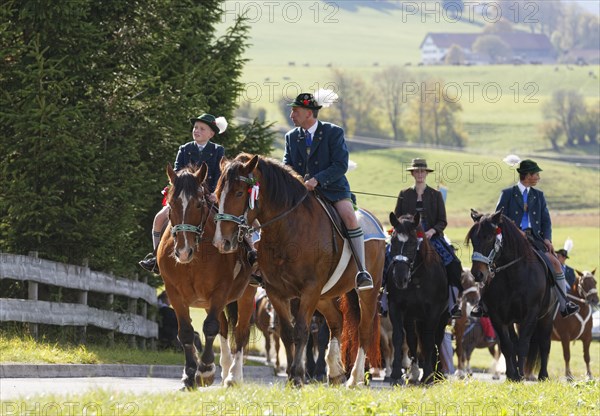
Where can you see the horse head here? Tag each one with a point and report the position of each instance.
(586, 287)
(188, 210)
(470, 287)
(237, 192)
(486, 237)
(404, 247)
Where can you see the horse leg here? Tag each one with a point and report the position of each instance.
(205, 375)
(241, 334)
(567, 357)
(276, 343)
(185, 334)
(322, 341)
(398, 341)
(412, 341)
(226, 358)
(506, 345)
(544, 340)
(428, 342)
(459, 330)
(334, 320)
(301, 320)
(586, 340)
(286, 331)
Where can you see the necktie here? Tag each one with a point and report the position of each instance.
(525, 219)
(308, 138)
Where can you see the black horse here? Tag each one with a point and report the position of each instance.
(417, 289)
(517, 291)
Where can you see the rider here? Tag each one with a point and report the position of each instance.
(201, 149)
(317, 151)
(430, 203)
(527, 208)
(563, 255)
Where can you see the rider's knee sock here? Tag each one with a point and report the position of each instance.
(357, 239)
(561, 286)
(155, 239)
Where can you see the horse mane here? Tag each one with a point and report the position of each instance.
(280, 184)
(185, 183)
(512, 237)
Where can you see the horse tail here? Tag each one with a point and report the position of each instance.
(350, 307)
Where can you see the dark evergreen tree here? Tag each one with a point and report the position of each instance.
(95, 98)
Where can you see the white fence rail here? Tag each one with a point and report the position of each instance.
(37, 271)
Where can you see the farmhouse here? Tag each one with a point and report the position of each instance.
(526, 47)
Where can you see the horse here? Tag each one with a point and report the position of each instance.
(470, 296)
(579, 325)
(473, 337)
(316, 348)
(267, 322)
(299, 250)
(417, 288)
(197, 275)
(517, 291)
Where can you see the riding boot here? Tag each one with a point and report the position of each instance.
(567, 307)
(364, 281)
(149, 262)
(255, 275)
(455, 311)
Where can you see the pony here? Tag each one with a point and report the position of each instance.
(267, 322)
(579, 325)
(299, 250)
(517, 292)
(473, 337)
(417, 289)
(470, 297)
(197, 275)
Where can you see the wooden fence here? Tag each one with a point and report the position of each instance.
(35, 271)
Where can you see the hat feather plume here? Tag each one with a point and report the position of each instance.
(221, 123)
(325, 97)
(568, 244)
(512, 160)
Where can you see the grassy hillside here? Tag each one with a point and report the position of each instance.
(295, 45)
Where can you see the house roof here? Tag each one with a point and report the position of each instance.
(516, 40)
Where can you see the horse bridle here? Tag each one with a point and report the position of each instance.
(582, 292)
(401, 258)
(197, 229)
(245, 229)
(490, 259)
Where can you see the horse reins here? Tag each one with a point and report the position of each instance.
(197, 229)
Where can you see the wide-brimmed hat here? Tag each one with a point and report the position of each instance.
(306, 100)
(217, 124)
(419, 164)
(563, 253)
(528, 166)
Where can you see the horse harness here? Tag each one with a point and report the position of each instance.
(197, 229)
(402, 258)
(245, 229)
(490, 259)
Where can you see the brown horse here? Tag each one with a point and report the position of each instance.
(197, 275)
(299, 251)
(579, 325)
(267, 322)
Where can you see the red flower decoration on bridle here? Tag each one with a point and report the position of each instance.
(498, 230)
(420, 234)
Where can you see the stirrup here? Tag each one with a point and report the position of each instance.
(364, 281)
(479, 311)
(149, 264)
(255, 280)
(570, 309)
(455, 312)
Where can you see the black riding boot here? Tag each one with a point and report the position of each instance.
(149, 263)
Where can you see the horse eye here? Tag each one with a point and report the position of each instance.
(238, 194)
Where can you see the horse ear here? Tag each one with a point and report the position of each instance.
(393, 220)
(594, 272)
(476, 216)
(417, 219)
(497, 217)
(223, 163)
(579, 273)
(200, 174)
(171, 174)
(251, 164)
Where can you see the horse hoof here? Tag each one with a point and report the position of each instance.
(230, 382)
(396, 382)
(205, 380)
(337, 380)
